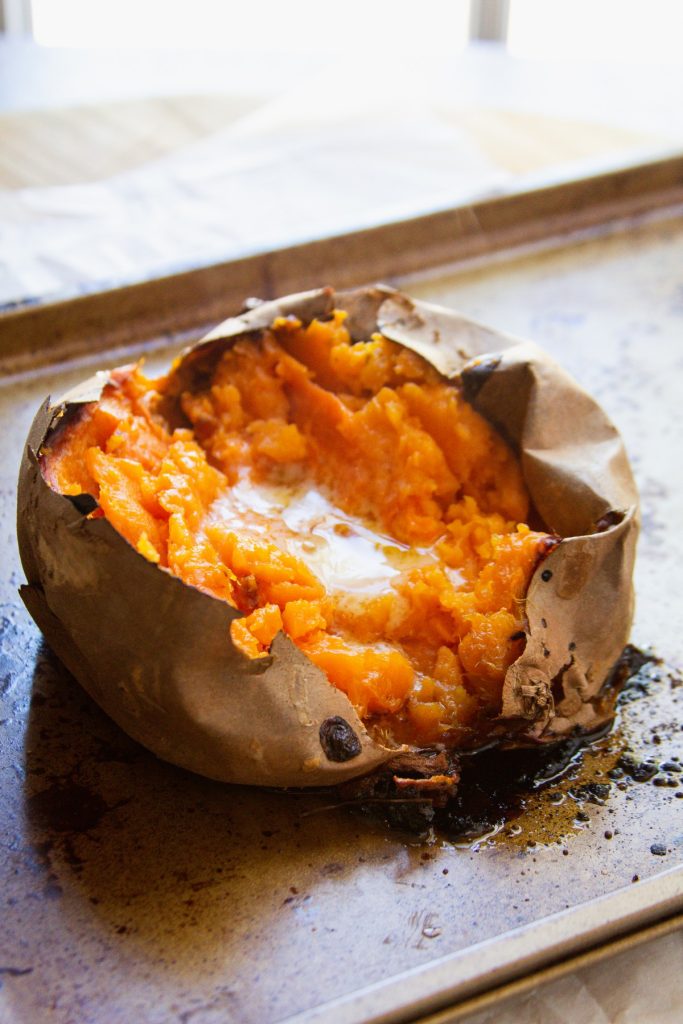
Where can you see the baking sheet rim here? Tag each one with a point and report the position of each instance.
(549, 973)
(154, 312)
(441, 983)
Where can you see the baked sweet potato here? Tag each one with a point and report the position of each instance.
(345, 531)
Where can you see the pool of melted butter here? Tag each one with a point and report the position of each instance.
(349, 555)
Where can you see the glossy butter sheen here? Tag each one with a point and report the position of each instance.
(345, 552)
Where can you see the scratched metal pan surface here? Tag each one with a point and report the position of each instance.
(132, 890)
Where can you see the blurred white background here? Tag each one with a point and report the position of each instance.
(534, 29)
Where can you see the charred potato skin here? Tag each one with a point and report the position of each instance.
(155, 653)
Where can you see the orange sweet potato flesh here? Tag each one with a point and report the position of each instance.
(420, 480)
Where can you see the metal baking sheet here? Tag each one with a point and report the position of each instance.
(134, 891)
(503, 997)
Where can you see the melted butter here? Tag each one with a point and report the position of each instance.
(346, 553)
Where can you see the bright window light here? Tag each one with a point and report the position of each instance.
(382, 27)
(596, 30)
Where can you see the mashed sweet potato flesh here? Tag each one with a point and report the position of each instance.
(342, 492)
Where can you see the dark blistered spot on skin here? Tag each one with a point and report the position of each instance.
(84, 503)
(548, 544)
(545, 547)
(475, 376)
(338, 739)
(612, 518)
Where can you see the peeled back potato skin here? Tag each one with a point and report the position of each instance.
(129, 562)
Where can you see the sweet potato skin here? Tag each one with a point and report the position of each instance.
(157, 654)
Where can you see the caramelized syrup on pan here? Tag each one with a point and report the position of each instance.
(539, 796)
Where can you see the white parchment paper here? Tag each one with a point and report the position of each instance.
(282, 175)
